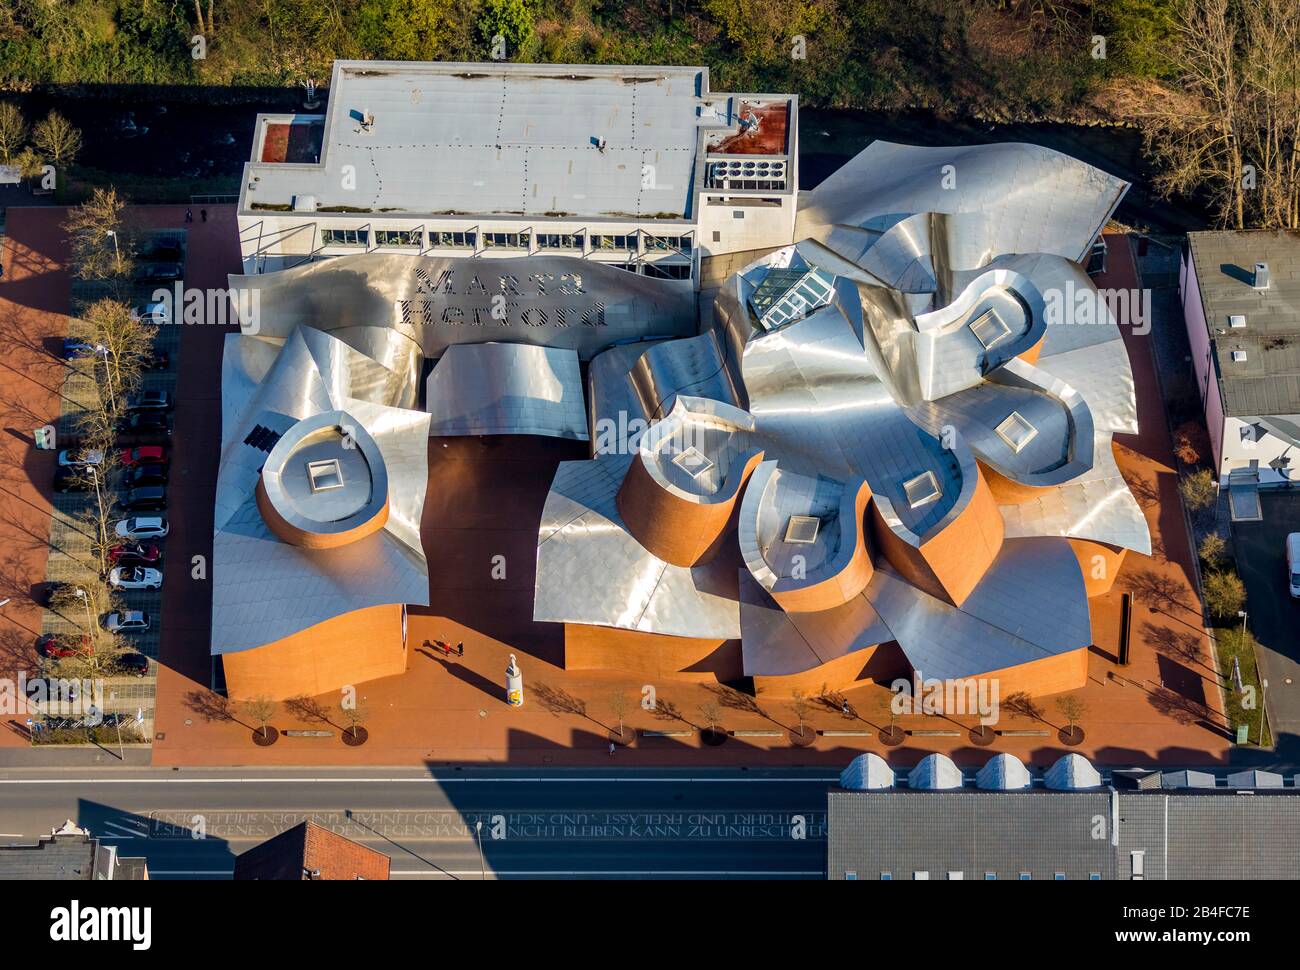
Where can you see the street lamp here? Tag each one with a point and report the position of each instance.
(478, 837)
(117, 252)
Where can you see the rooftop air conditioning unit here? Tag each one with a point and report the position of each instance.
(1261, 276)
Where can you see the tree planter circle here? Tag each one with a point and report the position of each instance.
(713, 737)
(1070, 736)
(982, 736)
(808, 737)
(355, 737)
(264, 738)
(893, 736)
(624, 739)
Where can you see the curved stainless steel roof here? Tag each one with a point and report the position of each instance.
(440, 301)
(502, 389)
(888, 347)
(265, 589)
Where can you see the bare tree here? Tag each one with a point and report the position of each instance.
(618, 705)
(1230, 125)
(799, 705)
(711, 711)
(1073, 708)
(57, 139)
(96, 230)
(83, 598)
(127, 349)
(354, 713)
(261, 709)
(13, 131)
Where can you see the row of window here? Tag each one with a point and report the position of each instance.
(953, 874)
(412, 239)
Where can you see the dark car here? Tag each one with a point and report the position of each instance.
(72, 480)
(150, 401)
(147, 499)
(159, 271)
(144, 427)
(136, 664)
(147, 475)
(134, 554)
(54, 645)
(165, 248)
(74, 348)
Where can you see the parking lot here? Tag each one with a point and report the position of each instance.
(1260, 549)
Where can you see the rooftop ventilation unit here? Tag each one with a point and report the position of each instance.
(802, 529)
(1236, 320)
(1261, 276)
(922, 490)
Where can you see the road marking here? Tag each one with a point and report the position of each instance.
(443, 873)
(389, 781)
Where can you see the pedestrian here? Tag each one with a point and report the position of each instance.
(189, 215)
(460, 649)
(846, 710)
(611, 749)
(203, 214)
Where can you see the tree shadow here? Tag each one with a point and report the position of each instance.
(214, 707)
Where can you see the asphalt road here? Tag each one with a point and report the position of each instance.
(1274, 615)
(536, 824)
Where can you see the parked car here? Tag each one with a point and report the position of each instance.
(163, 271)
(151, 498)
(142, 527)
(134, 554)
(74, 348)
(134, 577)
(129, 621)
(147, 475)
(165, 249)
(143, 455)
(144, 427)
(150, 401)
(78, 457)
(136, 664)
(154, 312)
(1293, 562)
(72, 480)
(53, 645)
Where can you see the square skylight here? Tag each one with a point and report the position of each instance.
(989, 328)
(1236, 320)
(802, 529)
(693, 462)
(324, 475)
(922, 490)
(1239, 356)
(1016, 431)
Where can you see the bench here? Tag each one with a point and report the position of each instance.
(666, 734)
(1024, 734)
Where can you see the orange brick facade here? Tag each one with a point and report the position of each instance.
(346, 650)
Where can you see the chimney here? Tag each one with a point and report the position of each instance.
(1261, 276)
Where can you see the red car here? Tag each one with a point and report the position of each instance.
(62, 645)
(144, 455)
(134, 554)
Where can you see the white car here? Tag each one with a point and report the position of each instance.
(150, 313)
(75, 459)
(142, 527)
(134, 577)
(132, 621)
(1293, 563)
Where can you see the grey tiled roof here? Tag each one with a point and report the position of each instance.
(1201, 835)
(1267, 382)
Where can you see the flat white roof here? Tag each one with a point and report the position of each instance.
(605, 142)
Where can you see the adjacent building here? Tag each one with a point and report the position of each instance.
(643, 168)
(1241, 303)
(69, 853)
(308, 853)
(1068, 824)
